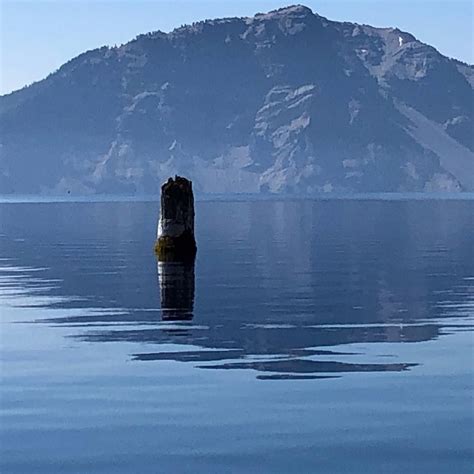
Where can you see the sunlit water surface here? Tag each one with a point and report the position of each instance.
(309, 336)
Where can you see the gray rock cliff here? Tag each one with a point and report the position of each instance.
(283, 102)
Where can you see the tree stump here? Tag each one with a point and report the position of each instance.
(175, 235)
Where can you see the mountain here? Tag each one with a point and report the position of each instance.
(286, 101)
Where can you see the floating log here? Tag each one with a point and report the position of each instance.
(175, 235)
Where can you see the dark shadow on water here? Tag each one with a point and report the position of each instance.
(176, 283)
(296, 377)
(302, 366)
(285, 368)
(215, 355)
(266, 341)
(191, 356)
(285, 349)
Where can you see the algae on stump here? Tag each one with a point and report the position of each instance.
(175, 234)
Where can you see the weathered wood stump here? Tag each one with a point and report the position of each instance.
(175, 235)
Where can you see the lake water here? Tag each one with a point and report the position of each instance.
(310, 337)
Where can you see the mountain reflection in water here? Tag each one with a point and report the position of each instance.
(281, 288)
(310, 336)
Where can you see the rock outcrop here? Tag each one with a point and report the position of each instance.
(283, 102)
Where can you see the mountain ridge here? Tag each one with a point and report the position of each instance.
(296, 106)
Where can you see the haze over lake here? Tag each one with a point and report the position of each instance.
(309, 336)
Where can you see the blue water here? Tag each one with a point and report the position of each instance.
(329, 336)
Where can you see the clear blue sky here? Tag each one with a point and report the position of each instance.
(37, 36)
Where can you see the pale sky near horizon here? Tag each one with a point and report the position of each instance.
(38, 36)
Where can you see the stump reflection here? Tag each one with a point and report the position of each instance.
(176, 281)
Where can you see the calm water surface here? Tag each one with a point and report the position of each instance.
(309, 337)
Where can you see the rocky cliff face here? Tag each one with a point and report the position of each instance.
(286, 101)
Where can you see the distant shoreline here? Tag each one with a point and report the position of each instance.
(97, 198)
